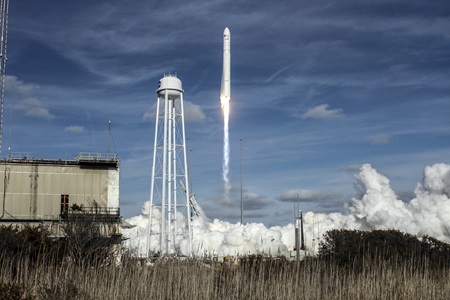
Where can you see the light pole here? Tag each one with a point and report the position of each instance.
(240, 171)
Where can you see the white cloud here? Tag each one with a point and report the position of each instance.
(150, 115)
(254, 201)
(33, 107)
(24, 93)
(74, 129)
(15, 86)
(379, 139)
(39, 112)
(192, 112)
(323, 112)
(351, 168)
(304, 195)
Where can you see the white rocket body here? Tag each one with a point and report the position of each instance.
(225, 88)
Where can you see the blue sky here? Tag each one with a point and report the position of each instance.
(318, 89)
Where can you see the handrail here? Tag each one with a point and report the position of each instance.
(82, 156)
(95, 156)
(97, 210)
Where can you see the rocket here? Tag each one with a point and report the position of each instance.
(225, 88)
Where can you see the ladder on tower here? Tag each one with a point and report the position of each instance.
(196, 209)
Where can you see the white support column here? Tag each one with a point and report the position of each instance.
(169, 175)
(169, 166)
(164, 178)
(186, 178)
(175, 178)
(155, 153)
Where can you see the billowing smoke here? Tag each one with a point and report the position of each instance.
(378, 208)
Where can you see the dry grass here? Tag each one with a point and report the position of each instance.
(195, 279)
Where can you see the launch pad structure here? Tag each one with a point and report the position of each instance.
(170, 191)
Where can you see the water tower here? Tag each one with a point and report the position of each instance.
(169, 182)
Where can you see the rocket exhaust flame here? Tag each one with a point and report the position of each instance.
(226, 144)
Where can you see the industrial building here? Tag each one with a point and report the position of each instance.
(51, 192)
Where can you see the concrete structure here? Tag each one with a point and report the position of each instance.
(36, 191)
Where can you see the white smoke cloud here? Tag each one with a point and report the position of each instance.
(378, 208)
(437, 179)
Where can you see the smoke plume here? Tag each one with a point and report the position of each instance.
(378, 208)
(226, 144)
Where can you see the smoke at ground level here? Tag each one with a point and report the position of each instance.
(378, 208)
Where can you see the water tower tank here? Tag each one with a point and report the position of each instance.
(172, 85)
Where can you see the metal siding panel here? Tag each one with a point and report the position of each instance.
(5, 174)
(80, 187)
(113, 188)
(78, 199)
(104, 188)
(96, 182)
(46, 185)
(41, 208)
(73, 188)
(88, 186)
(43, 184)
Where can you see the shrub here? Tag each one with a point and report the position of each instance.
(350, 247)
(13, 291)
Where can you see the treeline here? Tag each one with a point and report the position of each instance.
(80, 242)
(83, 243)
(352, 247)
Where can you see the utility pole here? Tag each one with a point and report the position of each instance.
(297, 240)
(109, 137)
(302, 247)
(240, 171)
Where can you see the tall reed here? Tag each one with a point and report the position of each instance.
(254, 278)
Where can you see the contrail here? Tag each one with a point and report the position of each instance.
(226, 145)
(225, 103)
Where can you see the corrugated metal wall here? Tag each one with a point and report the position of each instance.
(33, 190)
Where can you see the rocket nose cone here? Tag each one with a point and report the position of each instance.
(226, 31)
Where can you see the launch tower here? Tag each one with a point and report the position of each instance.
(3, 42)
(169, 182)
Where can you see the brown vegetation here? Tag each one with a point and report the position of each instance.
(255, 277)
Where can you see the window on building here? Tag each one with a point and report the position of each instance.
(64, 204)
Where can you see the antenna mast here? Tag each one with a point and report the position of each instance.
(4, 33)
(109, 136)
